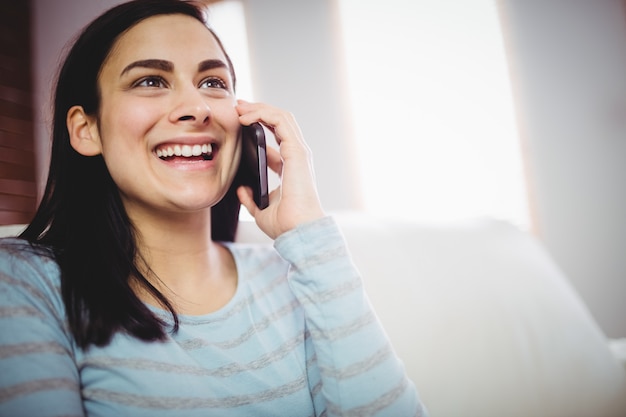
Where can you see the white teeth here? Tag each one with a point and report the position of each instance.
(184, 150)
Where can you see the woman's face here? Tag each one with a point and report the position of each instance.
(167, 123)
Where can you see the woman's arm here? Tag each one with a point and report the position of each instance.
(38, 376)
(360, 372)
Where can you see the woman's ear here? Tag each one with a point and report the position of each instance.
(83, 130)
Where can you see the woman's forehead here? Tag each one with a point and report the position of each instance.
(170, 37)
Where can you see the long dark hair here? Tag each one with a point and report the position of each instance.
(81, 221)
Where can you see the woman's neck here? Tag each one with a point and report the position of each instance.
(179, 258)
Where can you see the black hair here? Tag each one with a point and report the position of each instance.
(81, 220)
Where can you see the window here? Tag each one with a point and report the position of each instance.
(433, 110)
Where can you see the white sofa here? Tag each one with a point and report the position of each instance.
(484, 321)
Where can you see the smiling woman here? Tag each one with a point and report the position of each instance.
(126, 289)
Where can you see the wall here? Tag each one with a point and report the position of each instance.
(568, 63)
(295, 53)
(55, 23)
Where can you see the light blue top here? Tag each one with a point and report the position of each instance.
(299, 338)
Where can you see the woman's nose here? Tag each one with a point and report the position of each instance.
(192, 107)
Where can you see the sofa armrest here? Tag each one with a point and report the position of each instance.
(10, 230)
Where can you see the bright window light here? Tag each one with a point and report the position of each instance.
(432, 109)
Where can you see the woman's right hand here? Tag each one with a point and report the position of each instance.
(295, 201)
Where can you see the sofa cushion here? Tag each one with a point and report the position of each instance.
(484, 320)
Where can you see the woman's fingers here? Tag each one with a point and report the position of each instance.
(281, 123)
(246, 199)
(296, 200)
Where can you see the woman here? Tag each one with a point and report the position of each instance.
(125, 296)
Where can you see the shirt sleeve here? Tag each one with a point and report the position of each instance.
(360, 372)
(38, 375)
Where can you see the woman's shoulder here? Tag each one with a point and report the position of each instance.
(28, 264)
(22, 249)
(30, 283)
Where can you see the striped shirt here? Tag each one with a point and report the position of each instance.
(298, 338)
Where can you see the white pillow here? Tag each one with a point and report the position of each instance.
(485, 322)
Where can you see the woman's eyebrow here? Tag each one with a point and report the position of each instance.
(159, 64)
(210, 64)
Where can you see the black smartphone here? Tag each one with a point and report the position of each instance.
(254, 163)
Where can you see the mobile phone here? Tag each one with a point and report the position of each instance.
(254, 163)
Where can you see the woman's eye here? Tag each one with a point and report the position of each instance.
(213, 82)
(150, 82)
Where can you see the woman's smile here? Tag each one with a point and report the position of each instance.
(189, 153)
